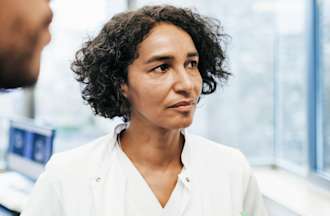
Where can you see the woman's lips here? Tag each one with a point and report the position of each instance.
(183, 106)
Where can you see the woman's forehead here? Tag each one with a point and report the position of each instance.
(166, 39)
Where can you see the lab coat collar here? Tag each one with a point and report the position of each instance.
(185, 156)
(185, 176)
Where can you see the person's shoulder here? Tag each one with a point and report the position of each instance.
(216, 154)
(80, 158)
(209, 147)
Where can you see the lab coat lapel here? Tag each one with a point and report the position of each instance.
(108, 192)
(108, 186)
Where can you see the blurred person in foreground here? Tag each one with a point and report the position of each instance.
(23, 34)
(149, 67)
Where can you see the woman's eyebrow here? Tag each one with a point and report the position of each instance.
(159, 58)
(168, 57)
(192, 54)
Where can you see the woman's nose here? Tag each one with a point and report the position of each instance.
(184, 81)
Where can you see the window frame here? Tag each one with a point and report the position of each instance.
(315, 96)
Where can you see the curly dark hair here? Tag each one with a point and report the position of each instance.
(101, 65)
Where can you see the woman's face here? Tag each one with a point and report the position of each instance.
(164, 82)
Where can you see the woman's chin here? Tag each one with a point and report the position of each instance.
(180, 123)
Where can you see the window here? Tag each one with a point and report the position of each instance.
(241, 113)
(291, 85)
(324, 91)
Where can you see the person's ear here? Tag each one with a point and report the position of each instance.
(124, 89)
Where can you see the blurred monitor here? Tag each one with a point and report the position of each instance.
(30, 147)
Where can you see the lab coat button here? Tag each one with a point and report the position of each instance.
(98, 179)
(187, 179)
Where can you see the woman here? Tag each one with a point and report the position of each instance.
(149, 67)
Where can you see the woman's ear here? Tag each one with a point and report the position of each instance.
(124, 89)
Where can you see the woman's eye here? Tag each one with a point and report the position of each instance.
(192, 64)
(161, 68)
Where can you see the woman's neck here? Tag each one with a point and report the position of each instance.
(151, 146)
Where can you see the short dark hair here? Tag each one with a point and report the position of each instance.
(101, 65)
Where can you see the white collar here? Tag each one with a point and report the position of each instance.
(185, 175)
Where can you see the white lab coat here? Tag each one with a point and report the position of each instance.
(88, 181)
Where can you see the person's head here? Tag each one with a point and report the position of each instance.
(24, 32)
(152, 64)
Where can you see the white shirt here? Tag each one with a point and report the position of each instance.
(90, 181)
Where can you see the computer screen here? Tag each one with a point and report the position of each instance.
(30, 147)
